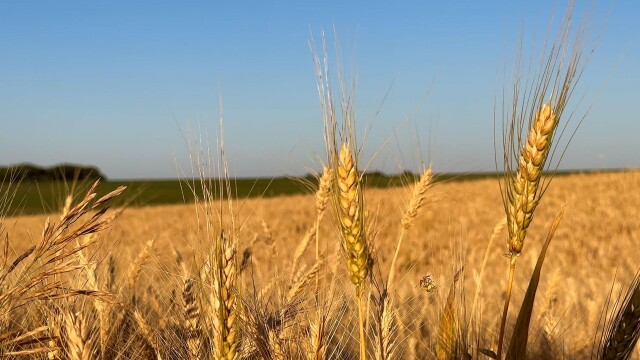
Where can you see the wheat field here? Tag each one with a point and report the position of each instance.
(593, 252)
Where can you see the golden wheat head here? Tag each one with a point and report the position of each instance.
(351, 218)
(524, 193)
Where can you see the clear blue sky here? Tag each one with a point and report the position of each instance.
(113, 84)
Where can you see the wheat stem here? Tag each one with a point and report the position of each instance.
(512, 270)
(361, 323)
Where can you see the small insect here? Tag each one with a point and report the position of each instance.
(427, 283)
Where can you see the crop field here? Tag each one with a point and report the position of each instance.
(453, 230)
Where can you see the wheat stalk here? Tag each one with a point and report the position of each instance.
(559, 70)
(416, 202)
(448, 343)
(35, 274)
(351, 218)
(523, 193)
(316, 347)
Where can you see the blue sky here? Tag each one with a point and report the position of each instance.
(120, 84)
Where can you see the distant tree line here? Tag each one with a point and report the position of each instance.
(30, 172)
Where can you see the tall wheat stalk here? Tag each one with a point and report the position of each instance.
(415, 203)
(351, 218)
(316, 345)
(523, 194)
(529, 140)
(348, 195)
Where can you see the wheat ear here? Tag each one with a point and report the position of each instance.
(351, 218)
(523, 194)
(416, 202)
(225, 300)
(622, 335)
(386, 333)
(303, 282)
(148, 334)
(135, 269)
(191, 318)
(322, 199)
(317, 347)
(191, 310)
(78, 336)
